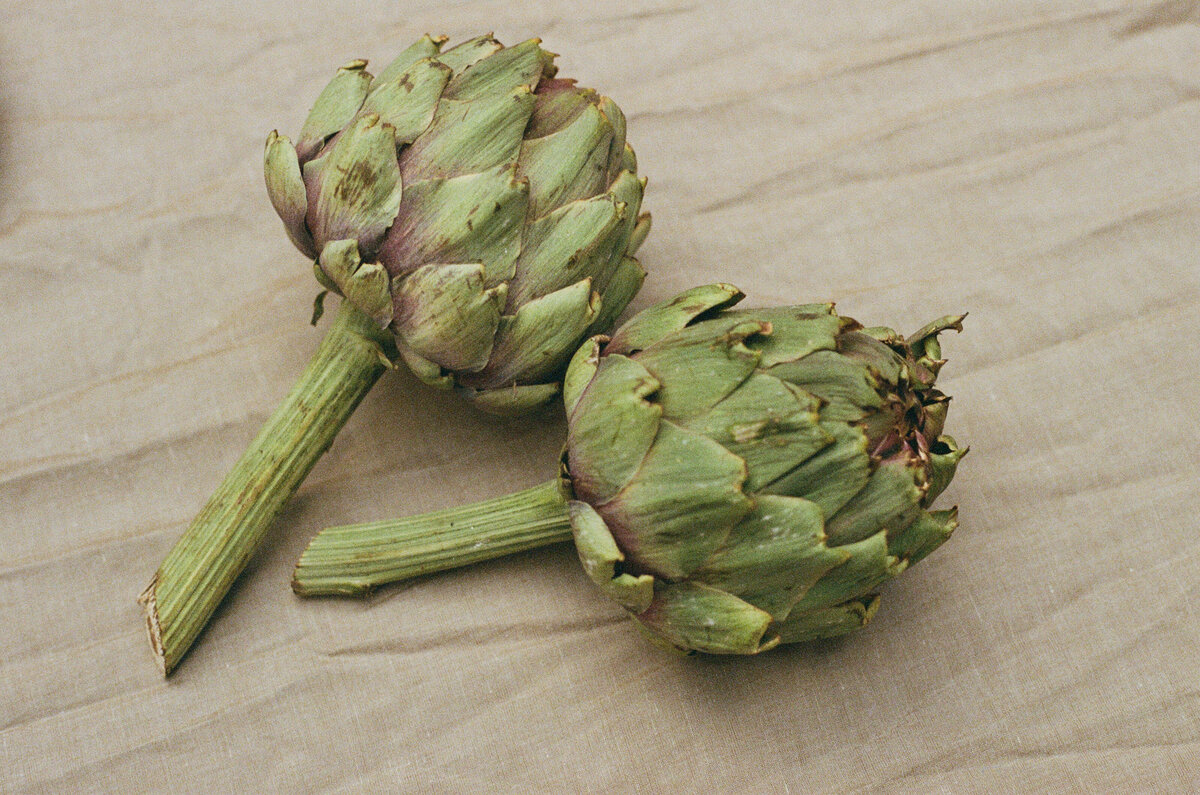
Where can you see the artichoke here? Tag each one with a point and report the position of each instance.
(479, 218)
(735, 479)
(481, 209)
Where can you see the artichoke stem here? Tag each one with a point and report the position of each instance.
(213, 551)
(353, 559)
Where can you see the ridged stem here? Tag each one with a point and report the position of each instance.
(203, 564)
(352, 559)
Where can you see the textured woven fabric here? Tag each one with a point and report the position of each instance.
(1035, 163)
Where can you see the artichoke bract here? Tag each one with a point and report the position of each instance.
(481, 209)
(479, 217)
(735, 479)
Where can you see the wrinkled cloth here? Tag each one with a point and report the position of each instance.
(1034, 163)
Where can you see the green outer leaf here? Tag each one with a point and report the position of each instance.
(366, 286)
(536, 344)
(882, 360)
(846, 385)
(795, 331)
(285, 187)
(567, 165)
(770, 424)
(335, 107)
(622, 287)
(467, 137)
(629, 160)
(627, 190)
(663, 319)
(500, 72)
(564, 247)
(943, 465)
(927, 533)
(891, 500)
(867, 566)
(680, 506)
(472, 218)
(773, 555)
(699, 365)
(425, 47)
(599, 555)
(338, 262)
(580, 370)
(461, 56)
(408, 101)
(829, 622)
(512, 401)
(611, 429)
(698, 617)
(445, 313)
(555, 108)
(356, 187)
(640, 230)
(427, 372)
(616, 150)
(834, 475)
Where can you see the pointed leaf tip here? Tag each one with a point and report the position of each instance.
(335, 108)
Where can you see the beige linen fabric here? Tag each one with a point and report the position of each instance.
(1035, 163)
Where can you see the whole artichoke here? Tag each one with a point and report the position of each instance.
(478, 215)
(735, 479)
(483, 210)
(748, 478)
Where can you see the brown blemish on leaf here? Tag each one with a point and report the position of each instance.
(355, 182)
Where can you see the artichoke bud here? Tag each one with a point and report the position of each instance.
(482, 209)
(744, 478)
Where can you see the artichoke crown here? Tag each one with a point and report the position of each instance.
(483, 210)
(742, 478)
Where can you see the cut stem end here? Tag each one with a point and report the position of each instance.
(353, 560)
(203, 565)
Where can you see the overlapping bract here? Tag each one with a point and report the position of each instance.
(485, 211)
(748, 478)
